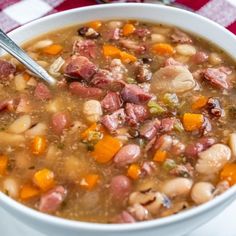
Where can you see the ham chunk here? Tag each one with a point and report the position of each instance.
(136, 113)
(142, 32)
(112, 34)
(180, 37)
(83, 91)
(86, 48)
(60, 121)
(149, 129)
(6, 69)
(217, 77)
(7, 105)
(111, 102)
(80, 67)
(134, 94)
(132, 45)
(42, 92)
(52, 200)
(114, 121)
(102, 79)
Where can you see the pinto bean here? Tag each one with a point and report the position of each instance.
(172, 78)
(120, 187)
(125, 217)
(164, 142)
(42, 92)
(127, 155)
(212, 160)
(177, 187)
(202, 192)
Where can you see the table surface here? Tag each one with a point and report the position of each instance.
(224, 223)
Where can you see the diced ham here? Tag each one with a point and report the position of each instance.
(127, 154)
(143, 73)
(149, 129)
(167, 124)
(217, 77)
(172, 62)
(133, 45)
(52, 200)
(83, 91)
(60, 121)
(202, 144)
(114, 121)
(112, 34)
(136, 113)
(42, 92)
(200, 57)
(102, 79)
(111, 102)
(142, 32)
(80, 67)
(124, 218)
(86, 48)
(120, 187)
(147, 168)
(6, 69)
(7, 105)
(180, 37)
(134, 94)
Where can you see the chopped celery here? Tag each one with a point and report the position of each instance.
(171, 100)
(155, 108)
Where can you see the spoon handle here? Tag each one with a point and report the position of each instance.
(8, 45)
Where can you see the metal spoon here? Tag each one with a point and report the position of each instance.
(8, 45)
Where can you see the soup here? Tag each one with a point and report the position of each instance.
(141, 124)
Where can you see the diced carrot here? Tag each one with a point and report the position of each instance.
(106, 148)
(39, 145)
(199, 102)
(111, 51)
(95, 24)
(128, 29)
(3, 164)
(44, 179)
(127, 57)
(53, 49)
(93, 127)
(192, 121)
(29, 191)
(163, 49)
(134, 171)
(160, 156)
(26, 76)
(89, 181)
(229, 173)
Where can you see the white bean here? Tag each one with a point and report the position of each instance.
(42, 44)
(11, 139)
(54, 105)
(38, 129)
(202, 192)
(158, 38)
(212, 160)
(186, 49)
(232, 144)
(11, 187)
(20, 125)
(56, 66)
(92, 110)
(32, 82)
(44, 64)
(20, 82)
(115, 24)
(215, 59)
(177, 187)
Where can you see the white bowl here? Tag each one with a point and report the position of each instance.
(173, 225)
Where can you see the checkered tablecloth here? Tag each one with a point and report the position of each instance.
(14, 13)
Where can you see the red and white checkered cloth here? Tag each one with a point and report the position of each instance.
(14, 13)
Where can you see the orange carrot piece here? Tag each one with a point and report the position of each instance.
(160, 156)
(128, 29)
(163, 49)
(199, 102)
(229, 173)
(26, 76)
(95, 24)
(106, 148)
(111, 51)
(3, 164)
(39, 145)
(134, 171)
(44, 179)
(89, 181)
(127, 57)
(53, 49)
(29, 191)
(94, 127)
(192, 121)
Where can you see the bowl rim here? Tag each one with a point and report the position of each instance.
(61, 222)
